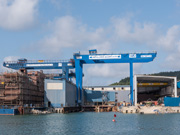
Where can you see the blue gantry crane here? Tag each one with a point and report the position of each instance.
(94, 58)
(65, 65)
(79, 60)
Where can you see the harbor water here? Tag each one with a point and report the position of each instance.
(90, 123)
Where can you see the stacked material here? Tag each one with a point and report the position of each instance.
(149, 109)
(33, 111)
(22, 89)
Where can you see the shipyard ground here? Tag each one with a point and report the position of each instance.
(93, 108)
(149, 109)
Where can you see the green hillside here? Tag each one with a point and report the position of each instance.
(126, 81)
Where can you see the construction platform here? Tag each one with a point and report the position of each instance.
(22, 89)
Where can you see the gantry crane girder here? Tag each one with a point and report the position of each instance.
(65, 65)
(94, 58)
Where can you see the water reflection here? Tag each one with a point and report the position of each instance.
(90, 124)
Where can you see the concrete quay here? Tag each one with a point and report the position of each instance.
(149, 109)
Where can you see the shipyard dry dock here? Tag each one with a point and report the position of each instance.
(24, 92)
(66, 94)
(33, 89)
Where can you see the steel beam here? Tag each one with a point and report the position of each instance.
(131, 83)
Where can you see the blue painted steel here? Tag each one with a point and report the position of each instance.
(65, 71)
(118, 58)
(77, 64)
(41, 64)
(80, 79)
(178, 84)
(65, 65)
(93, 51)
(171, 101)
(131, 83)
(8, 111)
(110, 58)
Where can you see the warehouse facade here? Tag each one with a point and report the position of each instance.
(94, 95)
(59, 93)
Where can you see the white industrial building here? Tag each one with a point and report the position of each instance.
(153, 87)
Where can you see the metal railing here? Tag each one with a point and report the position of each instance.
(36, 61)
(121, 53)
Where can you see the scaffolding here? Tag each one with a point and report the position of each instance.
(22, 89)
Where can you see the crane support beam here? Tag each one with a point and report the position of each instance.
(131, 83)
(65, 65)
(94, 58)
(38, 65)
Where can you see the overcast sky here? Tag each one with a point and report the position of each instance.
(55, 29)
